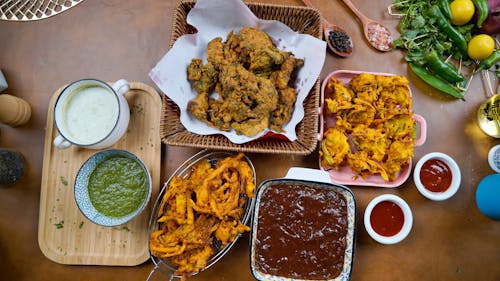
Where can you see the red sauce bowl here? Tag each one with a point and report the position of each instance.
(388, 219)
(437, 176)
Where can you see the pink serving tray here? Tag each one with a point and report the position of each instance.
(345, 175)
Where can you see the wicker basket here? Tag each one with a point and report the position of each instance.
(301, 19)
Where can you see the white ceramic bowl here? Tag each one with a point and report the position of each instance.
(455, 173)
(407, 224)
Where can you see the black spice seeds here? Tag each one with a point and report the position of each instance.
(339, 40)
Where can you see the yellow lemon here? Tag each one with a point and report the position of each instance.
(480, 47)
(461, 11)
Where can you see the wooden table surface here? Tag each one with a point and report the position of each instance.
(115, 39)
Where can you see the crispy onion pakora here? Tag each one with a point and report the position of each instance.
(196, 210)
(374, 130)
(252, 81)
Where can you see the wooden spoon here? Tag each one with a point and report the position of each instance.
(337, 48)
(377, 35)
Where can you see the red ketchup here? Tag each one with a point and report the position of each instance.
(435, 175)
(387, 218)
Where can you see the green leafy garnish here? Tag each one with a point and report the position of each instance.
(122, 228)
(420, 35)
(64, 180)
(59, 225)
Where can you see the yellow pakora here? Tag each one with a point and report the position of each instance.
(373, 115)
(252, 80)
(334, 148)
(340, 96)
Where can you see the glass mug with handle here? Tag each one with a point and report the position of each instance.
(90, 113)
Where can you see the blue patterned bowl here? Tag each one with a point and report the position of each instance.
(82, 193)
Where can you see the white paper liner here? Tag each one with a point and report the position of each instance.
(216, 18)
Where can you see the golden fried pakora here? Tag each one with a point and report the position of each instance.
(373, 115)
(361, 164)
(245, 84)
(334, 148)
(196, 210)
(340, 96)
(373, 141)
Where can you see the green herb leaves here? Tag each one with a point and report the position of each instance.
(420, 32)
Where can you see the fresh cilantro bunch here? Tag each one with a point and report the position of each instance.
(420, 35)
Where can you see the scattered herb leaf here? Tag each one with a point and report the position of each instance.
(59, 225)
(64, 180)
(122, 228)
(81, 225)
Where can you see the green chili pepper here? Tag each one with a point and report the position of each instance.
(488, 62)
(444, 6)
(446, 70)
(446, 27)
(436, 82)
(482, 9)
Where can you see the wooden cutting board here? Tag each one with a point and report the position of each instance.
(64, 234)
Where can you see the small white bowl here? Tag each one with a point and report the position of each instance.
(407, 224)
(455, 174)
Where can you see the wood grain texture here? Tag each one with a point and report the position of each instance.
(64, 234)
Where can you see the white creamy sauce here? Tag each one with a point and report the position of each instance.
(90, 114)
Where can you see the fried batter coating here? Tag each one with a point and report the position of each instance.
(361, 164)
(252, 80)
(399, 126)
(365, 86)
(228, 230)
(360, 113)
(204, 77)
(374, 115)
(373, 141)
(284, 110)
(341, 96)
(334, 148)
(205, 205)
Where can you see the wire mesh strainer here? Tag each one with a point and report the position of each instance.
(30, 10)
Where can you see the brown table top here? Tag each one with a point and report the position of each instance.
(450, 240)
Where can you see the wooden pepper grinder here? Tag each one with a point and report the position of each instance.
(14, 111)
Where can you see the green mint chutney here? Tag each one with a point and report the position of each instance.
(118, 186)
